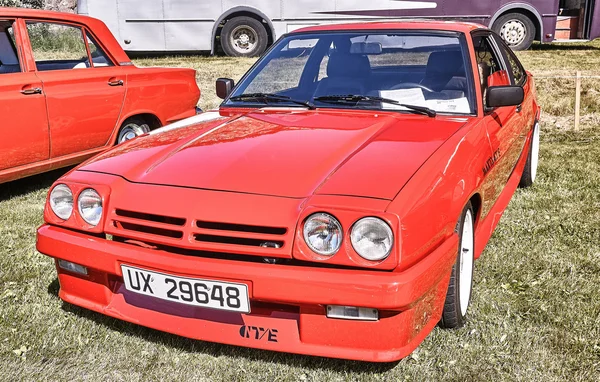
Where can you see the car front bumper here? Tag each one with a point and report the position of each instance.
(288, 302)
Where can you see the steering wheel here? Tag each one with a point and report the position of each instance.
(411, 85)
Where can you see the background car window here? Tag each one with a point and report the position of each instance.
(57, 46)
(487, 63)
(9, 59)
(99, 58)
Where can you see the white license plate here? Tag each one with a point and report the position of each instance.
(197, 292)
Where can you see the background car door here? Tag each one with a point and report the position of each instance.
(84, 90)
(24, 122)
(503, 124)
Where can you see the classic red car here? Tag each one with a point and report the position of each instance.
(334, 204)
(68, 91)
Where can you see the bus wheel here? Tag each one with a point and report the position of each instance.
(516, 29)
(244, 37)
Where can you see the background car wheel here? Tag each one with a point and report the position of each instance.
(132, 128)
(244, 37)
(516, 29)
(461, 280)
(530, 171)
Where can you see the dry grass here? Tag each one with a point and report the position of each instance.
(536, 306)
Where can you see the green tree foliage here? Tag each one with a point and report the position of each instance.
(22, 3)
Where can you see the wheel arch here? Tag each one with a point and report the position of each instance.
(526, 10)
(242, 11)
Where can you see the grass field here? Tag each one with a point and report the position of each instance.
(535, 314)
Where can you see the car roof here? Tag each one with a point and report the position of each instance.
(40, 14)
(452, 26)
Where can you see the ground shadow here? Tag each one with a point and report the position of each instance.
(30, 184)
(217, 350)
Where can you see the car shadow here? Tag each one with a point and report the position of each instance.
(217, 350)
(30, 184)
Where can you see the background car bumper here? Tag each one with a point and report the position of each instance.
(288, 302)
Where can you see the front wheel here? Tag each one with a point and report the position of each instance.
(458, 296)
(132, 128)
(244, 37)
(530, 171)
(516, 29)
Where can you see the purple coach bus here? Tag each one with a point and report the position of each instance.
(247, 27)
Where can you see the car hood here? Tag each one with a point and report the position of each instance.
(291, 153)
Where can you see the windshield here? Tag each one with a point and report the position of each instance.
(412, 68)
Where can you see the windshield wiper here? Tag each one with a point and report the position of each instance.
(268, 97)
(361, 98)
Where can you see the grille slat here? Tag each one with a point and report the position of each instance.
(151, 217)
(241, 228)
(236, 240)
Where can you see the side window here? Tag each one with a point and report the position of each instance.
(99, 58)
(515, 66)
(9, 59)
(491, 72)
(57, 46)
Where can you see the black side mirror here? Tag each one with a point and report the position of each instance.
(224, 87)
(498, 96)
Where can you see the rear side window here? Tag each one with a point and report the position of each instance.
(99, 58)
(515, 66)
(9, 59)
(57, 46)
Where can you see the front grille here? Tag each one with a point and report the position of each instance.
(200, 235)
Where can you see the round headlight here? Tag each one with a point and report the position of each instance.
(61, 201)
(372, 238)
(323, 234)
(90, 206)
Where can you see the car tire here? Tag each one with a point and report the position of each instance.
(244, 37)
(460, 287)
(516, 29)
(132, 128)
(530, 171)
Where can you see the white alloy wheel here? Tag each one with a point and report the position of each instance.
(535, 151)
(513, 32)
(467, 251)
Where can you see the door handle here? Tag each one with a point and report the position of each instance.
(519, 108)
(31, 91)
(115, 83)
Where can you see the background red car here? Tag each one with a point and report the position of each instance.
(333, 206)
(68, 91)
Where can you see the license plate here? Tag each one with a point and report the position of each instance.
(197, 292)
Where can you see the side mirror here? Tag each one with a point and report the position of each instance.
(224, 87)
(498, 96)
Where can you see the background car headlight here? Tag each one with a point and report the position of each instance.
(90, 206)
(372, 238)
(323, 234)
(61, 201)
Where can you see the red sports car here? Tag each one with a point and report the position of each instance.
(333, 205)
(68, 91)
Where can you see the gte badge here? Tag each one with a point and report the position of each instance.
(258, 333)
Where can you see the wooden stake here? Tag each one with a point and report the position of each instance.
(577, 100)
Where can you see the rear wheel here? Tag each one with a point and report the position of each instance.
(516, 29)
(244, 37)
(132, 128)
(458, 296)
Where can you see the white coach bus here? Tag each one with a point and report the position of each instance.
(248, 27)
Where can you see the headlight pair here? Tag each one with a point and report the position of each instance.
(372, 238)
(89, 204)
